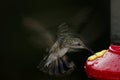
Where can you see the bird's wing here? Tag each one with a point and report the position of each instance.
(55, 47)
(63, 32)
(39, 32)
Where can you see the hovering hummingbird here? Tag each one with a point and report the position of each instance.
(57, 62)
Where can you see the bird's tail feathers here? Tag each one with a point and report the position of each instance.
(60, 66)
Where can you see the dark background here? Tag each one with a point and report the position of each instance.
(25, 23)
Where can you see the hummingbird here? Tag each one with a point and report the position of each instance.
(57, 62)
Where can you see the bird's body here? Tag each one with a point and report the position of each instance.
(56, 62)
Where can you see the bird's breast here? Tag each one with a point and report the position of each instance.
(62, 52)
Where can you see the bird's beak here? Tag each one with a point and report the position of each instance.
(84, 47)
(89, 50)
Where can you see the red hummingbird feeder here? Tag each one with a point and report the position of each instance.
(104, 65)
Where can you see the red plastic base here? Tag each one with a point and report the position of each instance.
(106, 67)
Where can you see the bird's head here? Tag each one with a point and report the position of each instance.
(75, 43)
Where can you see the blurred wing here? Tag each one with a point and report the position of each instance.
(55, 47)
(63, 32)
(39, 32)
